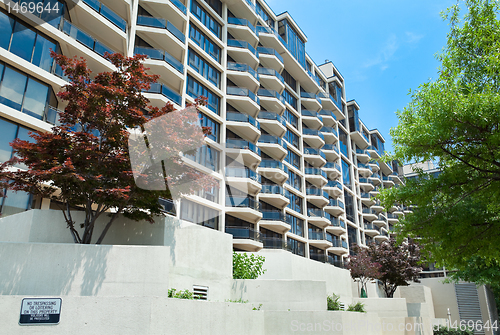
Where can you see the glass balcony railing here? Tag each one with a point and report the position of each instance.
(315, 172)
(242, 92)
(233, 201)
(336, 203)
(364, 166)
(241, 22)
(335, 262)
(314, 151)
(242, 173)
(274, 243)
(243, 233)
(165, 91)
(317, 235)
(365, 195)
(317, 257)
(167, 205)
(330, 147)
(271, 139)
(52, 115)
(270, 72)
(343, 148)
(108, 14)
(272, 189)
(332, 165)
(251, 5)
(157, 22)
(73, 31)
(365, 181)
(330, 130)
(270, 215)
(310, 113)
(369, 211)
(316, 192)
(160, 55)
(271, 164)
(270, 51)
(361, 152)
(327, 113)
(386, 178)
(371, 226)
(334, 183)
(336, 222)
(242, 68)
(375, 175)
(392, 216)
(318, 213)
(240, 117)
(307, 95)
(271, 116)
(242, 45)
(269, 30)
(179, 5)
(234, 143)
(381, 217)
(271, 94)
(312, 132)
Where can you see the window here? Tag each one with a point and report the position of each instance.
(211, 194)
(292, 119)
(263, 14)
(346, 173)
(15, 202)
(293, 159)
(204, 42)
(201, 66)
(295, 44)
(216, 6)
(292, 138)
(352, 235)
(289, 79)
(207, 121)
(297, 225)
(295, 202)
(195, 90)
(343, 141)
(349, 206)
(205, 18)
(290, 99)
(196, 213)
(205, 156)
(296, 247)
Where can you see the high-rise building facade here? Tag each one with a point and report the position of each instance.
(296, 165)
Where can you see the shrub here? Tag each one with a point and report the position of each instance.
(357, 307)
(186, 294)
(451, 331)
(332, 302)
(247, 267)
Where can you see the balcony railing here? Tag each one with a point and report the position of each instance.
(336, 222)
(270, 72)
(361, 152)
(327, 113)
(371, 226)
(364, 166)
(335, 262)
(318, 257)
(312, 132)
(314, 151)
(271, 139)
(234, 143)
(274, 243)
(242, 92)
(242, 45)
(272, 189)
(240, 117)
(307, 95)
(369, 211)
(179, 5)
(330, 130)
(336, 203)
(243, 233)
(392, 216)
(241, 22)
(167, 205)
(317, 236)
(331, 165)
(270, 215)
(375, 175)
(242, 173)
(73, 31)
(233, 201)
(271, 116)
(306, 112)
(108, 14)
(242, 68)
(365, 181)
(334, 183)
(160, 55)
(269, 30)
(157, 22)
(318, 213)
(165, 91)
(270, 51)
(317, 192)
(271, 164)
(271, 94)
(329, 146)
(315, 172)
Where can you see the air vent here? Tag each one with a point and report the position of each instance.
(468, 304)
(342, 306)
(200, 292)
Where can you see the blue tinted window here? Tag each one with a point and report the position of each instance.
(297, 225)
(195, 90)
(23, 41)
(293, 159)
(292, 118)
(205, 156)
(295, 202)
(15, 202)
(8, 132)
(202, 67)
(204, 42)
(35, 99)
(292, 138)
(41, 55)
(205, 18)
(290, 98)
(206, 121)
(346, 174)
(6, 28)
(12, 88)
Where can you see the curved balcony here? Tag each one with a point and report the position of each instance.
(274, 146)
(243, 75)
(365, 184)
(380, 221)
(384, 236)
(270, 58)
(392, 218)
(362, 155)
(273, 170)
(274, 195)
(316, 196)
(158, 92)
(319, 239)
(244, 125)
(375, 179)
(272, 122)
(162, 63)
(374, 165)
(377, 206)
(388, 182)
(371, 229)
(332, 170)
(367, 199)
(242, 29)
(314, 156)
(373, 152)
(326, 100)
(328, 116)
(334, 188)
(244, 208)
(331, 134)
(172, 10)
(335, 207)
(311, 119)
(337, 226)
(243, 179)
(275, 221)
(339, 247)
(313, 137)
(375, 191)
(369, 214)
(245, 238)
(271, 100)
(242, 52)
(270, 37)
(310, 101)
(274, 243)
(316, 176)
(248, 151)
(271, 79)
(319, 217)
(243, 99)
(331, 152)
(161, 32)
(364, 169)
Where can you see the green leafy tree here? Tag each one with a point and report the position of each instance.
(247, 267)
(455, 121)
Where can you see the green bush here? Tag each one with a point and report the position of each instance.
(332, 302)
(247, 267)
(357, 307)
(173, 293)
(451, 331)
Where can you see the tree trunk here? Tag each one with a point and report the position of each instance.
(99, 240)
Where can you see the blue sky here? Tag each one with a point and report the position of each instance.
(383, 48)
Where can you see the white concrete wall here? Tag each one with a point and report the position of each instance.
(384, 307)
(418, 300)
(443, 297)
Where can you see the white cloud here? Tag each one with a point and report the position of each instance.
(413, 38)
(385, 53)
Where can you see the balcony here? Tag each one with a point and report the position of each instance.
(326, 100)
(339, 247)
(388, 182)
(380, 221)
(270, 58)
(365, 184)
(245, 238)
(242, 52)
(373, 152)
(331, 134)
(243, 99)
(367, 199)
(375, 179)
(244, 208)
(328, 116)
(317, 257)
(272, 79)
(313, 137)
(243, 75)
(359, 138)
(272, 122)
(271, 100)
(335, 262)
(274, 243)
(316, 176)
(335, 207)
(369, 214)
(364, 169)
(337, 226)
(375, 191)
(248, 151)
(243, 179)
(242, 29)
(319, 217)
(332, 170)
(244, 125)
(377, 206)
(311, 119)
(173, 10)
(274, 195)
(319, 239)
(395, 177)
(334, 188)
(273, 170)
(275, 221)
(270, 37)
(362, 155)
(371, 230)
(164, 64)
(310, 101)
(159, 95)
(331, 152)
(159, 31)
(316, 196)
(384, 236)
(314, 156)
(274, 146)
(392, 218)
(374, 165)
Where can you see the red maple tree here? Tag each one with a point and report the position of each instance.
(362, 267)
(84, 163)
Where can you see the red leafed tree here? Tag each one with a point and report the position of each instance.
(84, 163)
(363, 268)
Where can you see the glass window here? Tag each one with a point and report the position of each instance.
(41, 55)
(8, 132)
(346, 174)
(35, 99)
(195, 90)
(295, 202)
(23, 134)
(205, 18)
(15, 202)
(263, 14)
(6, 28)
(196, 213)
(205, 156)
(12, 88)
(292, 118)
(23, 41)
(293, 159)
(296, 224)
(202, 67)
(290, 98)
(214, 126)
(296, 247)
(204, 42)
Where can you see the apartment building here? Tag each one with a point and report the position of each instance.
(296, 165)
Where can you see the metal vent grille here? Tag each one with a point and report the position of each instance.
(342, 306)
(200, 292)
(468, 304)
